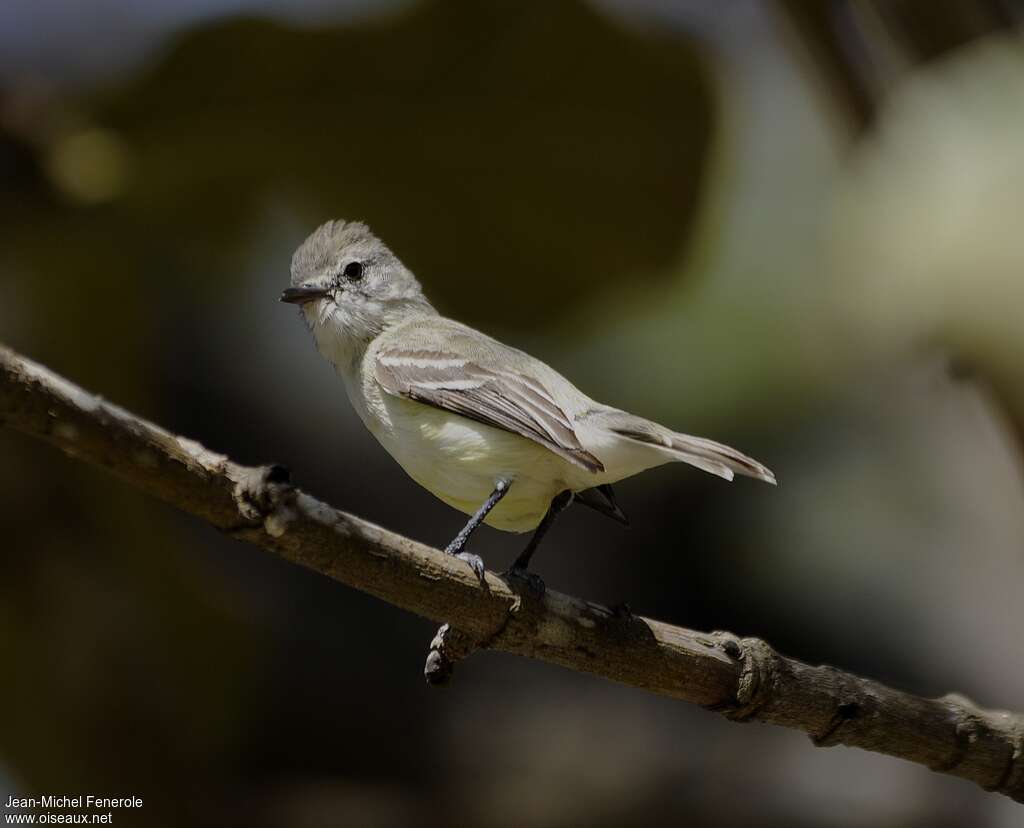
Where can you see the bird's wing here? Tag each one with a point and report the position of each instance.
(483, 387)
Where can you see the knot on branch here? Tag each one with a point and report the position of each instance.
(845, 711)
(967, 727)
(758, 675)
(448, 647)
(1011, 780)
(264, 494)
(972, 725)
(451, 646)
(854, 702)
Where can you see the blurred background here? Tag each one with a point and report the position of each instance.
(792, 226)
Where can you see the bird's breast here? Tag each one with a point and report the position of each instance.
(460, 461)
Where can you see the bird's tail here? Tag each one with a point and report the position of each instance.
(718, 458)
(707, 455)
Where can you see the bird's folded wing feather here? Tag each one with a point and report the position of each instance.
(487, 393)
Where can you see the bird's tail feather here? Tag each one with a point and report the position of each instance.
(694, 449)
(707, 455)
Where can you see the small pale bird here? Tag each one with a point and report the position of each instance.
(488, 429)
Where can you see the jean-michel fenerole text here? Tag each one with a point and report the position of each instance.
(65, 802)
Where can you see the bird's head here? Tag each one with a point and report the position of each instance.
(350, 286)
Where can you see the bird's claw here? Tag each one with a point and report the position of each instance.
(476, 563)
(532, 580)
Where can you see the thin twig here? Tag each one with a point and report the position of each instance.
(742, 678)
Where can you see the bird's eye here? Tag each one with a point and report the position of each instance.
(353, 271)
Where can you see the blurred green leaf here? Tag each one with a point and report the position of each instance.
(502, 148)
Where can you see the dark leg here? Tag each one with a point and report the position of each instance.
(558, 504)
(456, 546)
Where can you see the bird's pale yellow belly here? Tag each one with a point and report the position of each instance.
(460, 461)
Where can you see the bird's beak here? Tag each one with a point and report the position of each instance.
(301, 295)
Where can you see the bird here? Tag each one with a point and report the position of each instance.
(488, 429)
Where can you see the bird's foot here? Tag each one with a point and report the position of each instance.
(531, 580)
(476, 563)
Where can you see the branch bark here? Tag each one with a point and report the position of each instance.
(742, 678)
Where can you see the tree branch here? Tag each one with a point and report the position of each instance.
(741, 678)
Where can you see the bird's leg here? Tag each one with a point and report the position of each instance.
(458, 544)
(559, 503)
